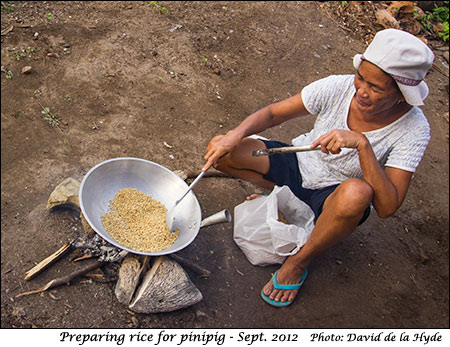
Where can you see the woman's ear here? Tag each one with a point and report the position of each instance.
(400, 100)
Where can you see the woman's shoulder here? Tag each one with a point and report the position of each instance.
(328, 93)
(336, 79)
(332, 84)
(417, 119)
(413, 125)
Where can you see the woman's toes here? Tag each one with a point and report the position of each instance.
(280, 296)
(268, 289)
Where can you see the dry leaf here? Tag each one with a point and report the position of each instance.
(403, 7)
(386, 20)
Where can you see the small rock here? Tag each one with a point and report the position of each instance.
(176, 27)
(26, 70)
(65, 194)
(36, 36)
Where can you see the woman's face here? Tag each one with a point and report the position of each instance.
(376, 91)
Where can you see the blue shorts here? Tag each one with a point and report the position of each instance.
(284, 171)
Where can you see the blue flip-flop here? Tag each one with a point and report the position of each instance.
(276, 285)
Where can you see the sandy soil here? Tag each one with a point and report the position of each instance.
(122, 80)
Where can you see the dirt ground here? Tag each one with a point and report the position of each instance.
(125, 79)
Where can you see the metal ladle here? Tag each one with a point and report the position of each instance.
(170, 215)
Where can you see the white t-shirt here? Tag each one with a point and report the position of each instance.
(400, 144)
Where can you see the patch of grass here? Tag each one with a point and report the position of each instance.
(161, 9)
(51, 118)
(439, 14)
(445, 34)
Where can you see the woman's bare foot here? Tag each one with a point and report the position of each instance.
(284, 276)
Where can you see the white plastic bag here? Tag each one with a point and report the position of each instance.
(262, 237)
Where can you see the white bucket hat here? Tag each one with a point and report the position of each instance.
(405, 58)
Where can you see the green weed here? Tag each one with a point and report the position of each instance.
(161, 9)
(437, 15)
(445, 33)
(51, 118)
(49, 16)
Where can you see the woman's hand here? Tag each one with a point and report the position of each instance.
(333, 141)
(219, 146)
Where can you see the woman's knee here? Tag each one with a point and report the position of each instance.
(223, 164)
(240, 158)
(353, 197)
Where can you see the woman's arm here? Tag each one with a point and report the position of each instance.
(389, 185)
(257, 122)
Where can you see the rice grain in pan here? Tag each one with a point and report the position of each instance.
(138, 222)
